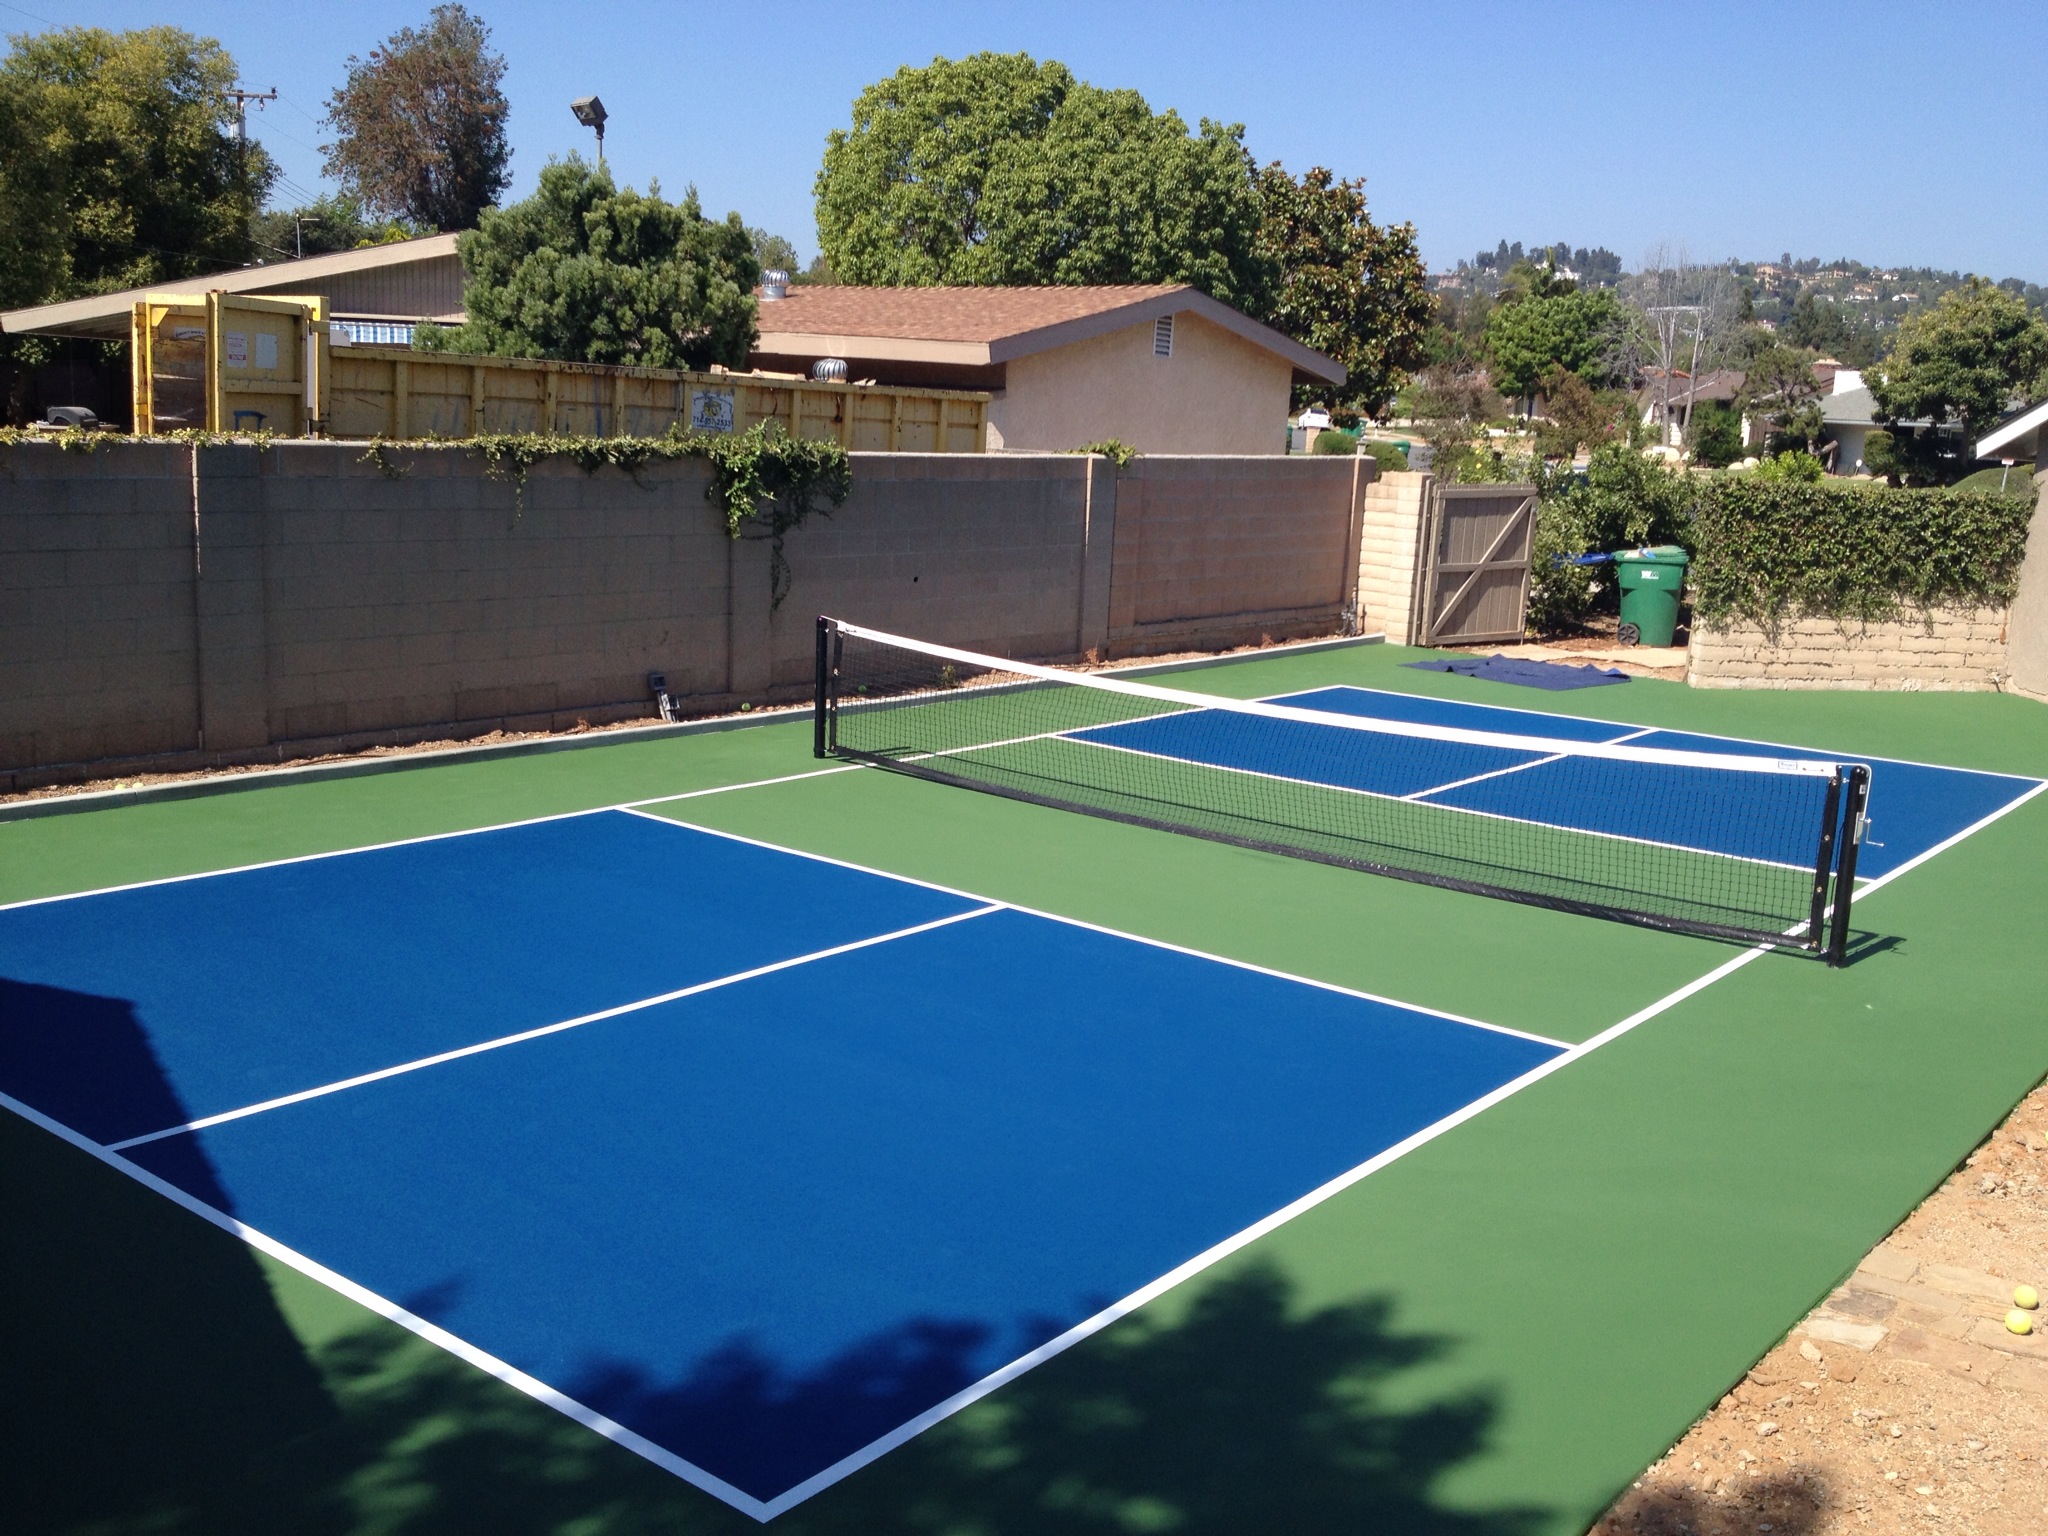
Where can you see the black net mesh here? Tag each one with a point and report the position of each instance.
(1732, 847)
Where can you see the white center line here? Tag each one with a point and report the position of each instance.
(546, 1029)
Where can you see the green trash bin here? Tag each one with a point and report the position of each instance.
(1651, 581)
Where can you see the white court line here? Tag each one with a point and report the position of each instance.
(1114, 933)
(1461, 810)
(1669, 730)
(390, 1310)
(425, 837)
(545, 1029)
(1481, 778)
(759, 1510)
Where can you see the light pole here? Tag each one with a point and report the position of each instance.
(590, 113)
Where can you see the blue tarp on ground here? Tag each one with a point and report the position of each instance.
(1524, 674)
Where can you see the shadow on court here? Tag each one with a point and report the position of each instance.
(144, 1356)
(166, 1394)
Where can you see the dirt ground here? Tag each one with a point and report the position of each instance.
(1902, 1403)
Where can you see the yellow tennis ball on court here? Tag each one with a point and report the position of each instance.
(2026, 1296)
(2017, 1321)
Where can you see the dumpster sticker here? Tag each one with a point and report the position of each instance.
(711, 410)
(235, 350)
(266, 350)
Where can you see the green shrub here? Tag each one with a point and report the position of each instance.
(1624, 500)
(1715, 435)
(1796, 467)
(1389, 457)
(1881, 456)
(1330, 440)
(1774, 550)
(2016, 481)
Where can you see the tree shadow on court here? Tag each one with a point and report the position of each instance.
(141, 1349)
(154, 1384)
(1245, 1414)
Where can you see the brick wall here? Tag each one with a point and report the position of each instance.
(1389, 545)
(171, 606)
(1960, 652)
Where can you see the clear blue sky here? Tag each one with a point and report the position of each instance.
(1896, 134)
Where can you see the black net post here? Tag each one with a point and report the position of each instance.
(1824, 864)
(1858, 800)
(822, 699)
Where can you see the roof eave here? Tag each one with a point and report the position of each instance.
(2022, 434)
(107, 314)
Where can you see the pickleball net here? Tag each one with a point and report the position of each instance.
(1728, 844)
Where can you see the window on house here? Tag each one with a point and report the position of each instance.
(1162, 336)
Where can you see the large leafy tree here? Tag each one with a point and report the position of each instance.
(999, 169)
(119, 163)
(583, 271)
(1348, 287)
(1964, 360)
(420, 124)
(1580, 332)
(34, 258)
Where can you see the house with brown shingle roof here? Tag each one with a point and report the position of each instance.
(1164, 368)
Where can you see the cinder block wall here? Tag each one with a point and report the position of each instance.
(1231, 550)
(1955, 652)
(98, 632)
(167, 606)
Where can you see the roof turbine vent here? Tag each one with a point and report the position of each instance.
(829, 370)
(775, 284)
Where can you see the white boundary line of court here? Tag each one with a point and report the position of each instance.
(1114, 933)
(1673, 730)
(1414, 799)
(543, 1030)
(766, 1510)
(429, 837)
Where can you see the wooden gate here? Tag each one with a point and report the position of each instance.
(1475, 568)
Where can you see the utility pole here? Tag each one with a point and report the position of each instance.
(242, 100)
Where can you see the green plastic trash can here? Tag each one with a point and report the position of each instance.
(1651, 581)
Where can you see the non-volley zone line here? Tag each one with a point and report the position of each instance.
(1373, 794)
(439, 1058)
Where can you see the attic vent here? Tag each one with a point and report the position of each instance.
(1162, 336)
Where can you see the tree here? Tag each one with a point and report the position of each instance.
(1347, 287)
(420, 124)
(1964, 360)
(997, 169)
(1576, 417)
(1779, 387)
(772, 252)
(34, 255)
(584, 272)
(1715, 435)
(1823, 329)
(120, 143)
(1578, 332)
(331, 223)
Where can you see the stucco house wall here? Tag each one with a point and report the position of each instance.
(1217, 394)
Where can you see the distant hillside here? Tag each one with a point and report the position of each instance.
(1844, 307)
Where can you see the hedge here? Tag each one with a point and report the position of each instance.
(1771, 552)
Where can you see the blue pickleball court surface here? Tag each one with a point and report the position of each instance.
(899, 1138)
(1914, 807)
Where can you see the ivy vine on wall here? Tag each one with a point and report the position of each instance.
(1774, 552)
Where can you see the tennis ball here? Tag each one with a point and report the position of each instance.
(2017, 1321)
(2026, 1296)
